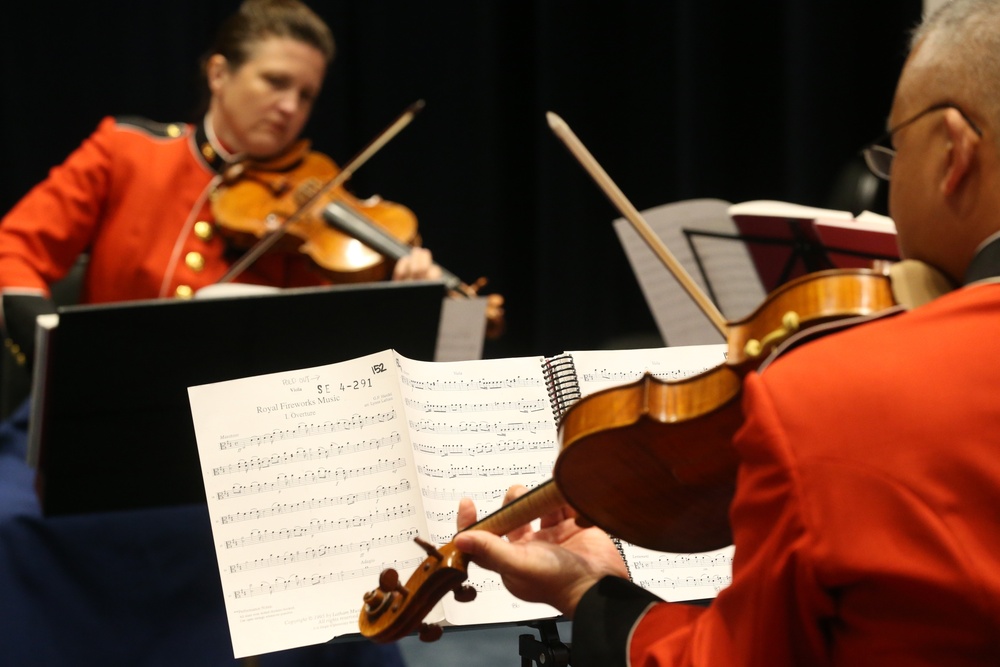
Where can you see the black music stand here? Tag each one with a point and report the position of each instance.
(546, 651)
(111, 424)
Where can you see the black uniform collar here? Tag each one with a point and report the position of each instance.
(986, 263)
(215, 156)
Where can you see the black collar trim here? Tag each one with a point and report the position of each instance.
(206, 151)
(986, 263)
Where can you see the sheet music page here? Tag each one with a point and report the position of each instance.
(725, 262)
(309, 479)
(672, 576)
(479, 427)
(462, 331)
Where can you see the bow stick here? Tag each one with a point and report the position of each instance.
(617, 197)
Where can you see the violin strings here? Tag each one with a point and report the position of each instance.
(374, 146)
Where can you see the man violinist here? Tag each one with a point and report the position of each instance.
(136, 194)
(864, 519)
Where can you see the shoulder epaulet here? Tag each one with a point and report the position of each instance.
(151, 127)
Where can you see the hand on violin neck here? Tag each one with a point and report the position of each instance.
(417, 265)
(555, 564)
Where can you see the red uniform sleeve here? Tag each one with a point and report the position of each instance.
(46, 231)
(772, 613)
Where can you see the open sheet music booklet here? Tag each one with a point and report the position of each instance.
(319, 479)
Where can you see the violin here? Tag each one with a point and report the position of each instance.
(651, 462)
(298, 203)
(257, 200)
(393, 611)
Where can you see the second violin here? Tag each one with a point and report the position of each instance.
(284, 199)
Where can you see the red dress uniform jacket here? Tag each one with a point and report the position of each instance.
(867, 512)
(131, 195)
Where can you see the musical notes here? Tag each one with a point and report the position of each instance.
(322, 478)
(322, 551)
(677, 577)
(512, 470)
(295, 581)
(305, 491)
(464, 407)
(713, 582)
(468, 426)
(310, 454)
(319, 476)
(355, 421)
(314, 503)
(318, 526)
(472, 384)
(484, 448)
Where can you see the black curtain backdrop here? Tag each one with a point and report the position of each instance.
(675, 98)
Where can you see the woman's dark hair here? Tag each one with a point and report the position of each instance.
(257, 20)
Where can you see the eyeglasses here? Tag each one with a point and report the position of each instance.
(878, 155)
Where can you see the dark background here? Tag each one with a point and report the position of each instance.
(676, 99)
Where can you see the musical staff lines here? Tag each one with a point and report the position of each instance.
(323, 551)
(319, 476)
(452, 495)
(668, 561)
(499, 428)
(280, 509)
(354, 422)
(311, 454)
(320, 526)
(616, 377)
(502, 448)
(516, 382)
(295, 582)
(715, 582)
(512, 470)
(673, 575)
(521, 405)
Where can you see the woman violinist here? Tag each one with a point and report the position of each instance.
(136, 194)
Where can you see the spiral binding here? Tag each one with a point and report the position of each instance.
(621, 552)
(561, 383)
(564, 390)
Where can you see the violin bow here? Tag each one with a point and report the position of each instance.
(373, 147)
(625, 207)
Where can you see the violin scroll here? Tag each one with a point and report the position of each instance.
(393, 611)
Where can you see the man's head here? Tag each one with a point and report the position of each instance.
(264, 73)
(945, 188)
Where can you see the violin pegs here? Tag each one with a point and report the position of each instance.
(430, 632)
(465, 593)
(429, 548)
(388, 581)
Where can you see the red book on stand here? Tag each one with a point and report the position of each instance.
(787, 240)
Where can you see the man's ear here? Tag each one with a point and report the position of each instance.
(963, 142)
